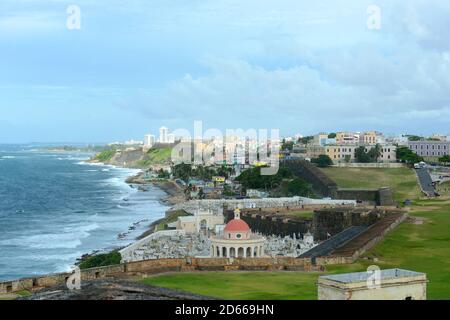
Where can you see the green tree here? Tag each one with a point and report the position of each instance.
(306, 140)
(182, 171)
(298, 187)
(162, 174)
(415, 138)
(445, 158)
(361, 155)
(287, 145)
(224, 171)
(404, 154)
(374, 153)
(252, 178)
(332, 135)
(101, 260)
(322, 161)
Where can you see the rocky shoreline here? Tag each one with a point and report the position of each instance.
(174, 195)
(113, 289)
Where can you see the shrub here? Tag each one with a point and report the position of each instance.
(101, 260)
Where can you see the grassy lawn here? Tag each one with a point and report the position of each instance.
(13, 296)
(444, 189)
(403, 181)
(302, 214)
(421, 246)
(156, 156)
(243, 285)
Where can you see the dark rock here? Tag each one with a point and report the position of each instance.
(113, 290)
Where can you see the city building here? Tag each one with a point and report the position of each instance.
(170, 138)
(163, 135)
(400, 140)
(346, 153)
(133, 142)
(430, 148)
(347, 138)
(439, 137)
(313, 151)
(237, 240)
(256, 194)
(389, 284)
(320, 139)
(203, 221)
(149, 140)
(368, 138)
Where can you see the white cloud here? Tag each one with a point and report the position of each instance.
(29, 22)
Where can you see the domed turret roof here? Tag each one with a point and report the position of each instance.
(237, 225)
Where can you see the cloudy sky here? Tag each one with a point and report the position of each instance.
(300, 66)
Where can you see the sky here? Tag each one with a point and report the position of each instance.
(298, 66)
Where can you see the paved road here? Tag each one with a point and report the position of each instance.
(426, 182)
(328, 246)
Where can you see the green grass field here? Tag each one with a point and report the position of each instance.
(302, 214)
(403, 181)
(155, 156)
(444, 189)
(422, 246)
(243, 285)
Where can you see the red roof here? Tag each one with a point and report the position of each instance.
(237, 225)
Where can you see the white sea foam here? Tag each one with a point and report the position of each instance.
(8, 157)
(53, 257)
(70, 238)
(84, 163)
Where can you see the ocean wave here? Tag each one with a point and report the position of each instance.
(77, 158)
(8, 157)
(69, 239)
(51, 257)
(84, 163)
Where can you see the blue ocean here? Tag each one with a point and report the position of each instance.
(54, 207)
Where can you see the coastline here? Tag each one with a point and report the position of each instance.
(174, 193)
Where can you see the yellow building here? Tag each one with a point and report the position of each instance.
(341, 153)
(346, 138)
(369, 138)
(346, 153)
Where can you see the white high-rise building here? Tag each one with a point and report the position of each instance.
(163, 135)
(149, 140)
(170, 138)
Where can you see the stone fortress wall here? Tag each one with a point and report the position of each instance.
(268, 223)
(217, 205)
(146, 268)
(158, 266)
(325, 186)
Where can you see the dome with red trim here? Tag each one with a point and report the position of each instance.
(237, 229)
(237, 225)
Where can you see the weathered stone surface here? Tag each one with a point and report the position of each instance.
(113, 290)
